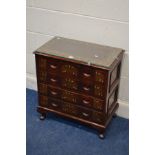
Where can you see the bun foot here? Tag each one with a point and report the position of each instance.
(101, 136)
(42, 116)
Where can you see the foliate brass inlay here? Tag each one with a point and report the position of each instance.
(69, 83)
(68, 96)
(43, 100)
(42, 88)
(98, 104)
(99, 90)
(99, 76)
(42, 63)
(69, 69)
(97, 117)
(69, 108)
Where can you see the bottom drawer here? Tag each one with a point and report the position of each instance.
(71, 109)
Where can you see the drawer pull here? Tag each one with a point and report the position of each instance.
(86, 88)
(85, 114)
(85, 102)
(53, 66)
(54, 105)
(54, 93)
(86, 74)
(53, 80)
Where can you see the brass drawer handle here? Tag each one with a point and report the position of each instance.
(86, 88)
(54, 93)
(53, 80)
(54, 105)
(86, 102)
(53, 66)
(86, 74)
(85, 114)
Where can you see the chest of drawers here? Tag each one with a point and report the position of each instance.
(78, 80)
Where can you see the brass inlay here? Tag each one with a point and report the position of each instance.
(69, 69)
(70, 83)
(98, 104)
(68, 96)
(99, 90)
(69, 108)
(99, 76)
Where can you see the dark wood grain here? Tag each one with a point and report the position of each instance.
(78, 91)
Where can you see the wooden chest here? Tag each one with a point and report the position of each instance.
(78, 80)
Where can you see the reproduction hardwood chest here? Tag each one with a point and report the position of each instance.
(78, 80)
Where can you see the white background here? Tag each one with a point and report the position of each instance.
(99, 21)
(13, 78)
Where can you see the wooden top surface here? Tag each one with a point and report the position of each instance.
(82, 51)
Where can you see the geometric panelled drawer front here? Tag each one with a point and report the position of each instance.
(78, 80)
(69, 108)
(71, 96)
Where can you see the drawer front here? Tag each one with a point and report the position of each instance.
(71, 97)
(71, 76)
(84, 113)
(71, 109)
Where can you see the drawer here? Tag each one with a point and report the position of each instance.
(74, 110)
(84, 113)
(68, 96)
